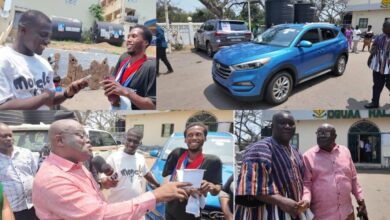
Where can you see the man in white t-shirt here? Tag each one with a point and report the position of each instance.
(131, 169)
(26, 78)
(356, 39)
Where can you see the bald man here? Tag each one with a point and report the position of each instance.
(17, 170)
(271, 176)
(330, 178)
(65, 189)
(26, 78)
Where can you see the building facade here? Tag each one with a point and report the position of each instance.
(158, 126)
(371, 126)
(142, 10)
(368, 12)
(72, 9)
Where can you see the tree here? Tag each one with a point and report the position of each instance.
(247, 127)
(97, 11)
(257, 15)
(175, 14)
(202, 15)
(221, 8)
(103, 120)
(330, 10)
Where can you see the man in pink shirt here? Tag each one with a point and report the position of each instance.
(330, 178)
(64, 189)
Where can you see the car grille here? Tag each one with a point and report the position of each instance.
(222, 70)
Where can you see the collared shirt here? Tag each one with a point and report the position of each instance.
(329, 180)
(65, 190)
(381, 54)
(269, 168)
(17, 175)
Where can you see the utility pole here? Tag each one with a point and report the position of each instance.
(167, 24)
(249, 15)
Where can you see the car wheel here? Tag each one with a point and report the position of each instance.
(340, 65)
(209, 50)
(196, 44)
(279, 88)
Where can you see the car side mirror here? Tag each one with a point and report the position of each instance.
(200, 31)
(153, 153)
(305, 43)
(118, 142)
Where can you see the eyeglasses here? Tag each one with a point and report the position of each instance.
(324, 134)
(81, 135)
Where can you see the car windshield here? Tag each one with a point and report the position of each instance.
(218, 146)
(100, 138)
(232, 26)
(278, 36)
(33, 140)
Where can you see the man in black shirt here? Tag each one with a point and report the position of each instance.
(135, 74)
(192, 158)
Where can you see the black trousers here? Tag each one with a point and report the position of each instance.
(379, 82)
(27, 214)
(162, 54)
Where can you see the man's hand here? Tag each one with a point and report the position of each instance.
(170, 191)
(112, 87)
(362, 210)
(206, 187)
(109, 182)
(369, 60)
(48, 96)
(303, 205)
(76, 86)
(290, 206)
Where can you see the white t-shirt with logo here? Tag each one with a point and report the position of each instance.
(23, 76)
(131, 170)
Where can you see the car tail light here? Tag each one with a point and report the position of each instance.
(216, 34)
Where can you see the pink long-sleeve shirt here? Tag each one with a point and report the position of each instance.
(65, 190)
(329, 180)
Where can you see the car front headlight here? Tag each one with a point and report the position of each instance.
(252, 64)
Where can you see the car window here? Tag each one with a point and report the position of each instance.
(278, 36)
(312, 36)
(33, 140)
(218, 146)
(232, 26)
(202, 27)
(327, 34)
(100, 138)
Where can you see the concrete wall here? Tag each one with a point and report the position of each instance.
(153, 122)
(375, 18)
(77, 9)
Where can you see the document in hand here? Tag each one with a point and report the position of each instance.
(194, 176)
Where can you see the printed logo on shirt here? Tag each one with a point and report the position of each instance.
(131, 173)
(23, 83)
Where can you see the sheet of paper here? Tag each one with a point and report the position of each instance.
(194, 176)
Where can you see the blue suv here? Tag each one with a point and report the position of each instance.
(280, 58)
(218, 143)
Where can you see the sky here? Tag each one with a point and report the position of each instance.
(187, 5)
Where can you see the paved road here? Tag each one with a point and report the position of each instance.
(376, 191)
(191, 87)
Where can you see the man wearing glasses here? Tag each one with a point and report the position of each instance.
(330, 178)
(64, 189)
(131, 168)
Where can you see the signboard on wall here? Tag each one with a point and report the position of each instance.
(385, 4)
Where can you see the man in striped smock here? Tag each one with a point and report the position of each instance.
(270, 183)
(379, 62)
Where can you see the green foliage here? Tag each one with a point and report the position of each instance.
(97, 11)
(202, 15)
(86, 37)
(257, 15)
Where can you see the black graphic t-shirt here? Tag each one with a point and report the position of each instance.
(213, 166)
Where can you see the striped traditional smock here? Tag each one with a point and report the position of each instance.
(381, 54)
(268, 168)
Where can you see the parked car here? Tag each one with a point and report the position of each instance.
(214, 34)
(280, 58)
(219, 144)
(35, 136)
